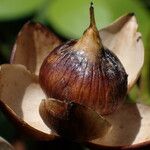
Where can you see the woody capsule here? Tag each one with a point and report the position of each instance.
(84, 84)
(84, 72)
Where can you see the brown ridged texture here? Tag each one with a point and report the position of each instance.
(85, 72)
(67, 74)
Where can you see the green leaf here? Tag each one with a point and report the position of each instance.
(11, 9)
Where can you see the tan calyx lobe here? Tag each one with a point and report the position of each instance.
(67, 74)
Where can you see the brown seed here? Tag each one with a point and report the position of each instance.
(85, 72)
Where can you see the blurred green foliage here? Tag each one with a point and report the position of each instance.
(68, 19)
(12, 9)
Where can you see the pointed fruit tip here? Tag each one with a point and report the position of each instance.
(131, 14)
(91, 4)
